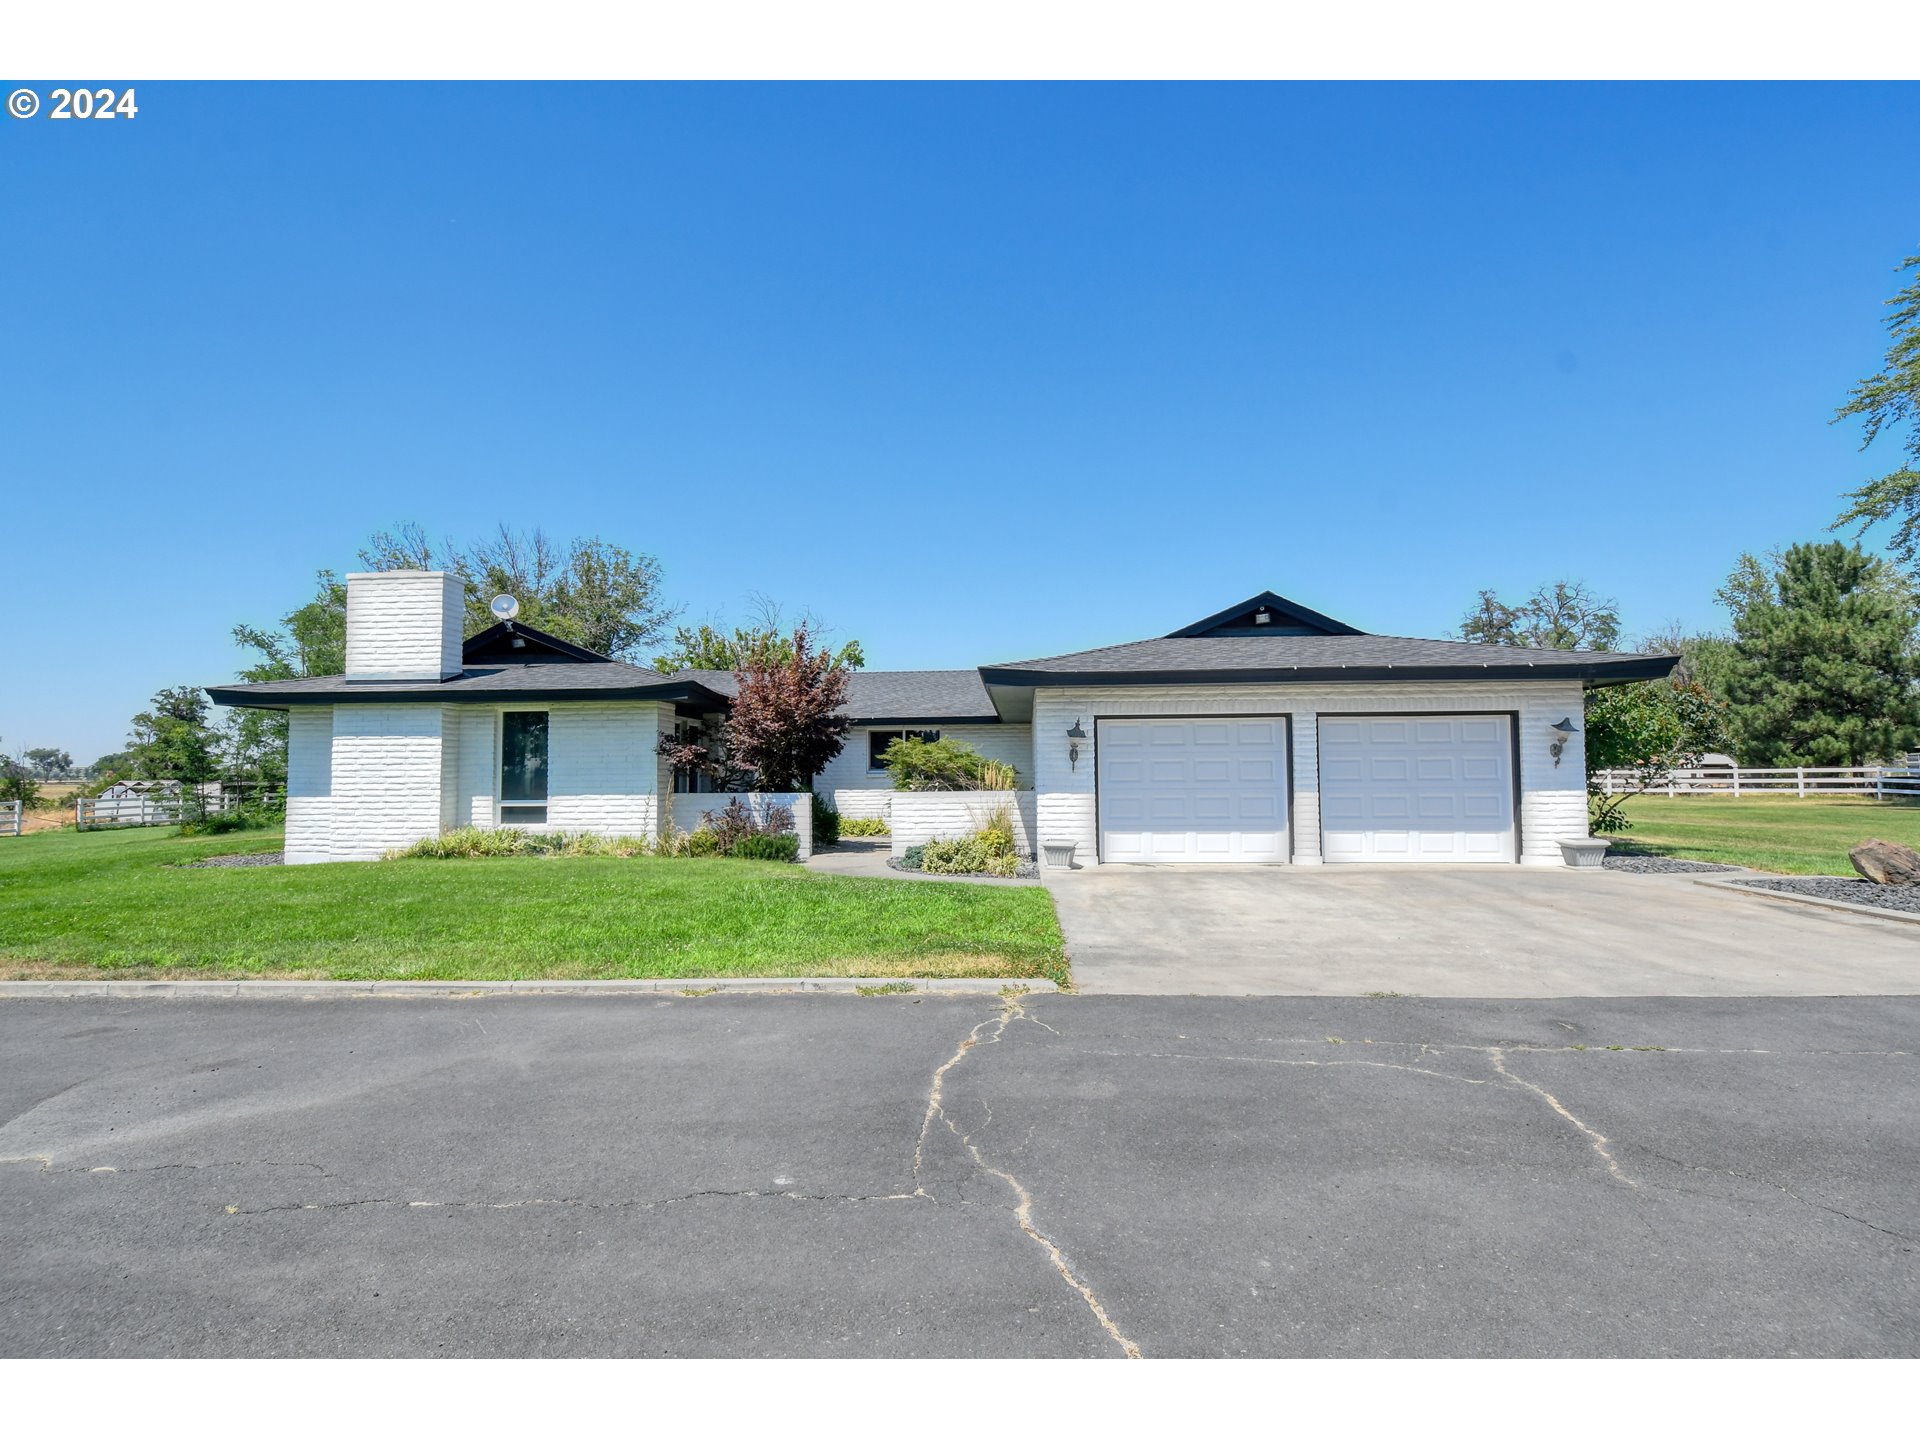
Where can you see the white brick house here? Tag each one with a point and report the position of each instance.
(1264, 734)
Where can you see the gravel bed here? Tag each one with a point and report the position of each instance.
(1026, 870)
(1838, 887)
(1658, 865)
(235, 862)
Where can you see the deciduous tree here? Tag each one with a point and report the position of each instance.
(786, 722)
(1644, 732)
(589, 591)
(1562, 616)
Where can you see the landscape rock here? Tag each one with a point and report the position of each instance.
(1885, 863)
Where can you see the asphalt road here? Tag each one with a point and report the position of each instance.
(835, 1175)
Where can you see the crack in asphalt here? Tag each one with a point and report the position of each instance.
(1010, 1010)
(1594, 1137)
(1786, 1190)
(1278, 1060)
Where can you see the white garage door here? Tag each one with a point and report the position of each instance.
(1193, 791)
(1416, 787)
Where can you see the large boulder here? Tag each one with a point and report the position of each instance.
(1886, 863)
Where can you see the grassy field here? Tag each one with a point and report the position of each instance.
(112, 904)
(1795, 837)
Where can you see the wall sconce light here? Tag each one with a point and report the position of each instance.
(1074, 737)
(1563, 732)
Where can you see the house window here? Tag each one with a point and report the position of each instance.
(523, 767)
(878, 740)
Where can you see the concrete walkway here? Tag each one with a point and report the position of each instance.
(1468, 930)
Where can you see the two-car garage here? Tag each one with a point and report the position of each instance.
(1216, 789)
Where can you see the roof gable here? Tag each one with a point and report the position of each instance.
(511, 642)
(1265, 614)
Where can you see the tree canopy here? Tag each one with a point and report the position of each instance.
(589, 590)
(172, 740)
(705, 648)
(1823, 668)
(48, 762)
(1884, 401)
(1562, 616)
(786, 722)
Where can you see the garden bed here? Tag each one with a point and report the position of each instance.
(1903, 898)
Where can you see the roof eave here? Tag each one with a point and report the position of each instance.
(1617, 672)
(247, 697)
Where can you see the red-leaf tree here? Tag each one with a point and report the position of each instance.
(787, 721)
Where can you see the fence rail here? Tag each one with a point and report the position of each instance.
(12, 817)
(112, 812)
(1880, 781)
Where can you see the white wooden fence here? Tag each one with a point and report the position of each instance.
(1880, 781)
(11, 818)
(159, 807)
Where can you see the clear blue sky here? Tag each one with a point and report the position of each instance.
(975, 374)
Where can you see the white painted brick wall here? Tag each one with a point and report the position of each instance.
(860, 793)
(367, 778)
(386, 777)
(1552, 799)
(309, 784)
(477, 771)
(690, 811)
(404, 625)
(923, 815)
(603, 769)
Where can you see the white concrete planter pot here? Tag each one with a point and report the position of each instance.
(1584, 854)
(1058, 857)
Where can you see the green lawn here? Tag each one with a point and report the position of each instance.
(109, 903)
(1796, 837)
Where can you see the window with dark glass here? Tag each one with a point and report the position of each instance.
(878, 740)
(523, 767)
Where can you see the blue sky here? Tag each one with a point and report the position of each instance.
(974, 374)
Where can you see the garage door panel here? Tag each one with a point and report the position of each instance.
(1206, 790)
(1425, 788)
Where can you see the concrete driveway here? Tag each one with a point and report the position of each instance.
(1466, 930)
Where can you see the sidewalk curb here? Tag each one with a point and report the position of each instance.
(477, 989)
(1878, 912)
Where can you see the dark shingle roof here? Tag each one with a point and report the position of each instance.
(1193, 660)
(877, 696)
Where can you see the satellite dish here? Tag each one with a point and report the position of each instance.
(504, 607)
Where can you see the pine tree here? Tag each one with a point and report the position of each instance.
(1823, 666)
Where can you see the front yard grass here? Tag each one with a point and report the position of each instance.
(111, 905)
(1779, 833)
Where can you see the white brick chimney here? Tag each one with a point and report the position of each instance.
(404, 625)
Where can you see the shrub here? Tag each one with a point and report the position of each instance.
(913, 857)
(826, 821)
(767, 847)
(703, 843)
(865, 825)
(988, 851)
(226, 822)
(998, 775)
(469, 842)
(737, 822)
(942, 764)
